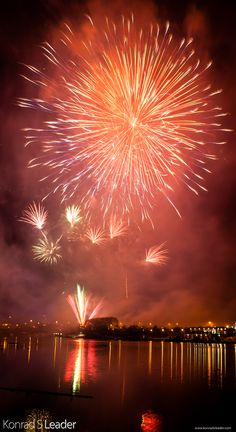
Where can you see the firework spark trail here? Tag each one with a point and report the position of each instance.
(131, 114)
(82, 306)
(35, 214)
(96, 235)
(156, 255)
(116, 228)
(72, 303)
(73, 215)
(47, 251)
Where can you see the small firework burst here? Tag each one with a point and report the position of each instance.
(47, 251)
(35, 215)
(156, 255)
(83, 306)
(73, 215)
(116, 228)
(96, 235)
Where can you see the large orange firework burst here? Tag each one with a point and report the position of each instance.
(130, 113)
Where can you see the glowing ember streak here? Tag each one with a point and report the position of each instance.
(73, 215)
(131, 114)
(116, 228)
(156, 255)
(96, 235)
(35, 214)
(47, 251)
(82, 306)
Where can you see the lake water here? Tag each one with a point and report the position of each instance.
(135, 386)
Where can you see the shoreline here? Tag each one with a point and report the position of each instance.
(100, 338)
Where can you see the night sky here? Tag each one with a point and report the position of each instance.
(198, 283)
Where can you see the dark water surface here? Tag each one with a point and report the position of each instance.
(136, 386)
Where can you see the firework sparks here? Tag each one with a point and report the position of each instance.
(82, 306)
(47, 251)
(35, 215)
(37, 417)
(156, 255)
(133, 114)
(96, 235)
(116, 228)
(73, 215)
